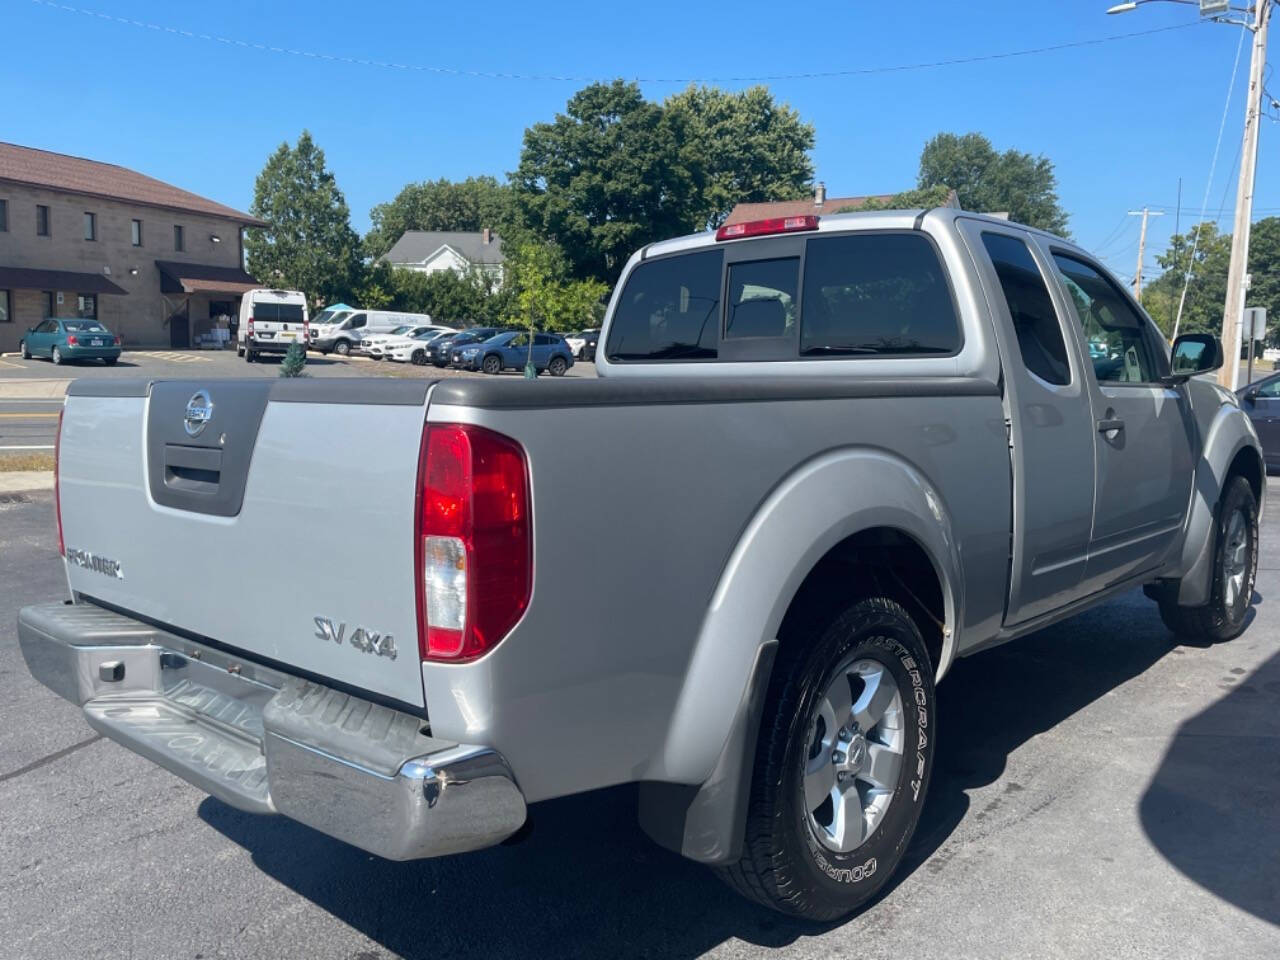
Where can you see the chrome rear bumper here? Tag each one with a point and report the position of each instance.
(269, 742)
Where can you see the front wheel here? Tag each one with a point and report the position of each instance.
(842, 764)
(492, 365)
(1235, 567)
(342, 348)
(56, 356)
(557, 367)
(22, 349)
(419, 358)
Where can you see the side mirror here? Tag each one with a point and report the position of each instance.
(1250, 395)
(1193, 354)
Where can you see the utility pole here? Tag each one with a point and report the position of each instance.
(1142, 247)
(1237, 276)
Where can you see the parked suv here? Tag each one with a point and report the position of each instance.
(512, 351)
(440, 352)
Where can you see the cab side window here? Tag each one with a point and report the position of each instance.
(1035, 322)
(1122, 345)
(1270, 390)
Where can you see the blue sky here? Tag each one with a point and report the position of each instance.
(1122, 121)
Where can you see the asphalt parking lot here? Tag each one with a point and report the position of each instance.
(1099, 792)
(30, 424)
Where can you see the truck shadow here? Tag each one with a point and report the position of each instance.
(1211, 807)
(587, 882)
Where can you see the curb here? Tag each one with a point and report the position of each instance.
(23, 481)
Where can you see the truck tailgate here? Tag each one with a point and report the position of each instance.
(293, 500)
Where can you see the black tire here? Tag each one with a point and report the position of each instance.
(1224, 616)
(239, 350)
(342, 348)
(110, 361)
(249, 355)
(419, 358)
(492, 365)
(56, 357)
(557, 367)
(784, 864)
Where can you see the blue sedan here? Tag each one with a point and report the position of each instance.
(511, 351)
(63, 339)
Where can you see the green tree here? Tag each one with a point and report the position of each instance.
(543, 295)
(454, 298)
(472, 205)
(294, 362)
(308, 243)
(1206, 290)
(741, 147)
(603, 178)
(987, 181)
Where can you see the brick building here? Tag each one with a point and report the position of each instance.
(154, 263)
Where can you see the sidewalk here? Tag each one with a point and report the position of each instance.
(33, 389)
(23, 480)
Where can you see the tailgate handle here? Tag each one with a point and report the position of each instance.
(192, 469)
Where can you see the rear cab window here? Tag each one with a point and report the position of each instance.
(837, 296)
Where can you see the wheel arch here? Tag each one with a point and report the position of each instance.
(1230, 449)
(856, 504)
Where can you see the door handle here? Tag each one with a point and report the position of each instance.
(1107, 426)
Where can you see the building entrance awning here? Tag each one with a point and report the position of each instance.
(29, 278)
(203, 278)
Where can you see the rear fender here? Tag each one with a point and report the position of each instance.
(711, 739)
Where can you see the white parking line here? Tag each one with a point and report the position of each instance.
(41, 446)
(176, 357)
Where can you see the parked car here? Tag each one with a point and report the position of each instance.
(440, 352)
(345, 336)
(375, 344)
(589, 343)
(415, 349)
(578, 342)
(68, 338)
(1261, 401)
(271, 321)
(512, 351)
(730, 570)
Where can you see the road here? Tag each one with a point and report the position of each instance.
(1099, 792)
(27, 425)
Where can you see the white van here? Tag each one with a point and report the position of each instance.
(344, 337)
(270, 322)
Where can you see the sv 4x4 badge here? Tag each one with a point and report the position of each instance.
(364, 640)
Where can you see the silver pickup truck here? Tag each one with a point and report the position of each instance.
(822, 459)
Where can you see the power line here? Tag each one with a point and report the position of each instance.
(1204, 206)
(494, 75)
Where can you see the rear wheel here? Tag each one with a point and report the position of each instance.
(110, 361)
(56, 357)
(342, 348)
(842, 764)
(557, 367)
(239, 350)
(1235, 567)
(492, 365)
(249, 355)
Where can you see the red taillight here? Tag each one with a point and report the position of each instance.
(758, 228)
(57, 495)
(117, 341)
(474, 541)
(251, 326)
(72, 341)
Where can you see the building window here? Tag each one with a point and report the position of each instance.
(87, 306)
(42, 220)
(50, 304)
(5, 315)
(179, 241)
(90, 226)
(137, 233)
(4, 216)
